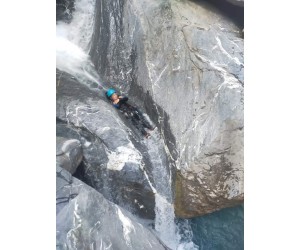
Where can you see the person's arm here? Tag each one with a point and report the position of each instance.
(123, 99)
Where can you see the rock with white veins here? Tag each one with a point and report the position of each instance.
(113, 162)
(185, 61)
(86, 220)
(68, 153)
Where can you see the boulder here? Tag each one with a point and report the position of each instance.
(86, 220)
(184, 61)
(113, 162)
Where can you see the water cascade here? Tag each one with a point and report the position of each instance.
(73, 41)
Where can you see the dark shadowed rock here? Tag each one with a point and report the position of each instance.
(68, 153)
(64, 9)
(239, 3)
(184, 61)
(86, 220)
(233, 9)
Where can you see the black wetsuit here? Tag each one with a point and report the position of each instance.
(134, 114)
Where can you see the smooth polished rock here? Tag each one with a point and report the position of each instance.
(114, 159)
(86, 220)
(184, 61)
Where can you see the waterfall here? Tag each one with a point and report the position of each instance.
(80, 30)
(73, 42)
(174, 236)
(164, 209)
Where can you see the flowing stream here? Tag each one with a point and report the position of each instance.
(164, 209)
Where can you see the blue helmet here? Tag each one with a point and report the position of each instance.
(110, 92)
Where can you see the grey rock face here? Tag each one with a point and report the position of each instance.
(115, 50)
(184, 60)
(86, 220)
(68, 153)
(113, 162)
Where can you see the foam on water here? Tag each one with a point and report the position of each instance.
(164, 221)
(185, 234)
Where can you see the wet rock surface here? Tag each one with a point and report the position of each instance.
(86, 220)
(112, 160)
(184, 61)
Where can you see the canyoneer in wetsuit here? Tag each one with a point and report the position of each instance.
(129, 111)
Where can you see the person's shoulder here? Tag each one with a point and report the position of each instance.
(123, 99)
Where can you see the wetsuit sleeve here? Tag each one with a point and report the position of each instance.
(123, 100)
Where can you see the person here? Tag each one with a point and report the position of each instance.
(137, 117)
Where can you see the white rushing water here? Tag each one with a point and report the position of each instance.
(174, 236)
(73, 43)
(164, 221)
(72, 59)
(80, 30)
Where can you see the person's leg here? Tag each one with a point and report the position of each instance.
(139, 126)
(146, 122)
(145, 133)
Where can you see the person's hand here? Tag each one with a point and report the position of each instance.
(116, 101)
